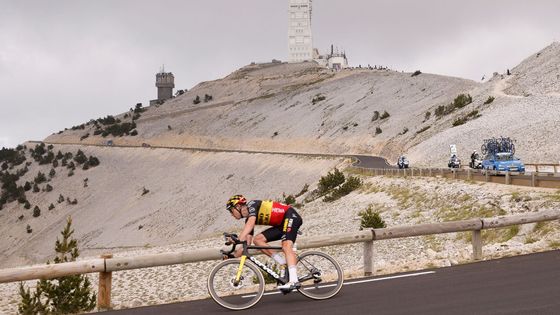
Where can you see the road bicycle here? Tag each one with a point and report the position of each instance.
(238, 283)
(494, 145)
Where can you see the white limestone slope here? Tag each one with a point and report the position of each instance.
(187, 193)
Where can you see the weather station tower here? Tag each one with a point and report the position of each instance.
(165, 82)
(299, 30)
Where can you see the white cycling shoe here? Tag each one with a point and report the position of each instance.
(289, 286)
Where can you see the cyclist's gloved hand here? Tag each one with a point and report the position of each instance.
(226, 255)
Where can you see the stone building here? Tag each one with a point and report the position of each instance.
(165, 82)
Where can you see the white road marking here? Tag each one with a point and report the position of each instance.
(355, 282)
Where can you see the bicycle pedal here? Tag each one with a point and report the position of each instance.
(284, 292)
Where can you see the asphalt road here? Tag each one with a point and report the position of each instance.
(528, 284)
(367, 161)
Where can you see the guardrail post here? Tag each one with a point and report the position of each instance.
(508, 179)
(420, 172)
(454, 174)
(486, 176)
(441, 171)
(477, 244)
(536, 168)
(368, 258)
(469, 175)
(533, 181)
(554, 168)
(104, 289)
(430, 172)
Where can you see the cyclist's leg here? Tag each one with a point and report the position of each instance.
(271, 234)
(292, 223)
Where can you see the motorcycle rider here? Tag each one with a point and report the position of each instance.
(474, 156)
(401, 162)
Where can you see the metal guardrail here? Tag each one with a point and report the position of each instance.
(547, 180)
(107, 264)
(555, 167)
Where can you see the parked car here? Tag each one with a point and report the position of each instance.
(503, 161)
(109, 143)
(145, 145)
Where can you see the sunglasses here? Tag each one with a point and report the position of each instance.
(234, 207)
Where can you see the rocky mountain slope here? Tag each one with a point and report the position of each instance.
(271, 107)
(305, 108)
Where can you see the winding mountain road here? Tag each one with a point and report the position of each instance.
(365, 161)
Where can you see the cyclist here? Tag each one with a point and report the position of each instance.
(285, 222)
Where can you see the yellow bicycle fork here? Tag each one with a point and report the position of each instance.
(240, 269)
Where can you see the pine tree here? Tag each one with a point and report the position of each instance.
(36, 212)
(64, 295)
(30, 302)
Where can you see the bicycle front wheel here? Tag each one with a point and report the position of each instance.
(320, 275)
(231, 295)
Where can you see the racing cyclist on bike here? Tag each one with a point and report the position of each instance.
(285, 222)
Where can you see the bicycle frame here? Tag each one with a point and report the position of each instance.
(259, 264)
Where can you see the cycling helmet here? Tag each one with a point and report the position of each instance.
(235, 199)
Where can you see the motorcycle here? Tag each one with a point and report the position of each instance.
(402, 162)
(476, 163)
(454, 162)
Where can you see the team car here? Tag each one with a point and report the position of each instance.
(503, 161)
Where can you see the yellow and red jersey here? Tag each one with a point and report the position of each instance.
(268, 212)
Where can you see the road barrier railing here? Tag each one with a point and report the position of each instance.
(544, 168)
(546, 180)
(108, 264)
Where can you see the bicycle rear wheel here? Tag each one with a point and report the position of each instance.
(224, 290)
(319, 274)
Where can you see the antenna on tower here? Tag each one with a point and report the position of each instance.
(162, 69)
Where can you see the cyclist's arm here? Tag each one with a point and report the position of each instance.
(246, 234)
(249, 226)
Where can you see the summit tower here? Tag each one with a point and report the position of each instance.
(300, 39)
(165, 82)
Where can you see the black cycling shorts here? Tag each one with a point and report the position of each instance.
(287, 230)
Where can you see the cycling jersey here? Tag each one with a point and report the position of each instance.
(268, 212)
(284, 219)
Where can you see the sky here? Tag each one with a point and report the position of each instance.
(64, 62)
